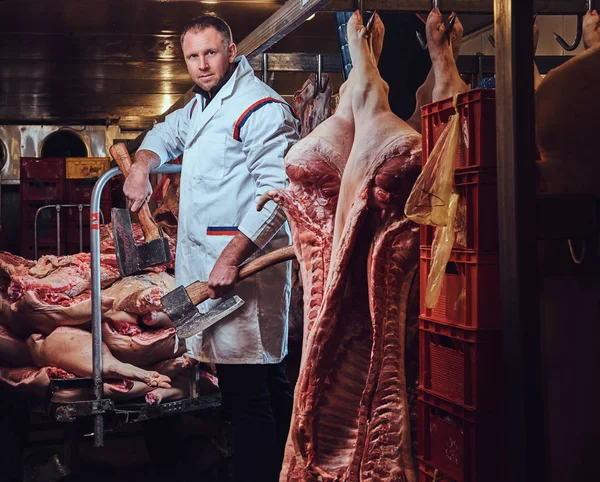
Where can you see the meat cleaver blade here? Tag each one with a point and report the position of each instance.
(131, 257)
(180, 304)
(186, 318)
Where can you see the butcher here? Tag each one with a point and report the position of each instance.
(233, 135)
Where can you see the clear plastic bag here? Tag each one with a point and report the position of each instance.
(440, 254)
(433, 201)
(429, 199)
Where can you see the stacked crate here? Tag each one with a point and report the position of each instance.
(42, 183)
(460, 436)
(81, 176)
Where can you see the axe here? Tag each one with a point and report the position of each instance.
(180, 304)
(131, 257)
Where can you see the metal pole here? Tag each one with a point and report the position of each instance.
(80, 209)
(265, 67)
(524, 410)
(58, 229)
(318, 87)
(35, 244)
(96, 300)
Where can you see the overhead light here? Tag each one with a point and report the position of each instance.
(311, 17)
(167, 101)
(210, 2)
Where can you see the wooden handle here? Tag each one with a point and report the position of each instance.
(121, 156)
(198, 291)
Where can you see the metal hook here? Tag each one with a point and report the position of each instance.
(265, 68)
(421, 40)
(319, 73)
(575, 44)
(450, 25)
(371, 22)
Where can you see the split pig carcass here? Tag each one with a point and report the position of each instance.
(349, 181)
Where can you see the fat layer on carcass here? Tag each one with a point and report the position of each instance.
(351, 415)
(141, 347)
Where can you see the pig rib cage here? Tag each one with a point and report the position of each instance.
(100, 407)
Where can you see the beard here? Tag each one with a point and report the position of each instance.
(214, 85)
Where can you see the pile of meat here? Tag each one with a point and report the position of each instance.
(45, 322)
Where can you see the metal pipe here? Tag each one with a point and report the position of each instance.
(96, 287)
(524, 423)
(80, 208)
(96, 299)
(265, 68)
(35, 253)
(319, 74)
(57, 229)
(58, 207)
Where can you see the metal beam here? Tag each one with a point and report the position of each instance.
(285, 20)
(297, 62)
(546, 7)
(525, 440)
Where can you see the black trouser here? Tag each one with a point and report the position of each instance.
(259, 400)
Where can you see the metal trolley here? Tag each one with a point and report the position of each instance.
(102, 409)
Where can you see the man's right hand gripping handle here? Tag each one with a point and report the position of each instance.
(137, 187)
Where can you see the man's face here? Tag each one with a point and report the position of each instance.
(207, 58)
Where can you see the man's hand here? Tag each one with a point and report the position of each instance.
(137, 187)
(224, 274)
(222, 279)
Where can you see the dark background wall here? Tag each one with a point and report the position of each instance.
(403, 64)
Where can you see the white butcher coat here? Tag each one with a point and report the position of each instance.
(233, 151)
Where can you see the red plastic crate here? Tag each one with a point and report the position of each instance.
(72, 214)
(42, 190)
(470, 294)
(477, 109)
(477, 214)
(461, 366)
(464, 445)
(73, 247)
(29, 208)
(80, 191)
(72, 234)
(46, 233)
(27, 249)
(43, 168)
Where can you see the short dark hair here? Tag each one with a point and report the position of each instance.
(206, 21)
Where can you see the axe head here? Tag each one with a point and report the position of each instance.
(186, 318)
(133, 258)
